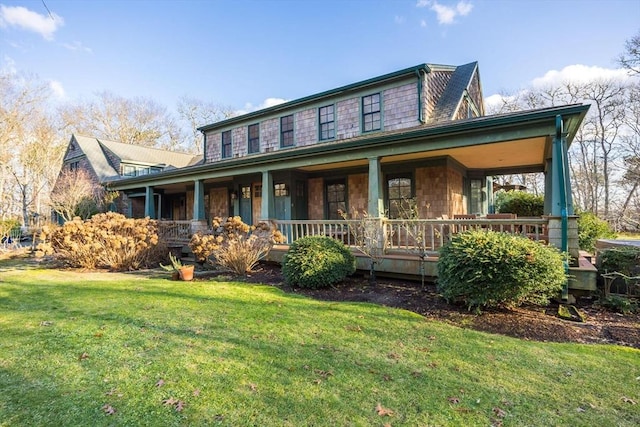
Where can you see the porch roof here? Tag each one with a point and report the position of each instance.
(505, 143)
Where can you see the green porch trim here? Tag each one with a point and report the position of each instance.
(198, 201)
(267, 208)
(149, 203)
(376, 194)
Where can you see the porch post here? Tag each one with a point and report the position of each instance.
(198, 201)
(267, 208)
(149, 203)
(376, 202)
(548, 186)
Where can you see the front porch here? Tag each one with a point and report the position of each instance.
(411, 246)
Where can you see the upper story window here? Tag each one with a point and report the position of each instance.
(128, 170)
(327, 122)
(73, 166)
(371, 118)
(286, 131)
(254, 138)
(226, 144)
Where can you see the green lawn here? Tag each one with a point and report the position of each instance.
(125, 349)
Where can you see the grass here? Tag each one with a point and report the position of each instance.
(76, 346)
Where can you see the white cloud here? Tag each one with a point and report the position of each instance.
(57, 88)
(269, 102)
(21, 17)
(423, 23)
(446, 15)
(8, 66)
(76, 45)
(464, 8)
(579, 73)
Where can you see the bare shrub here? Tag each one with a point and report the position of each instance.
(108, 240)
(234, 245)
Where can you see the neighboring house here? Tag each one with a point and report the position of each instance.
(107, 161)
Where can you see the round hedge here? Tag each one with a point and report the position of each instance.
(317, 262)
(488, 269)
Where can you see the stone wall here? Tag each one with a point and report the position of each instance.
(358, 187)
(400, 107)
(305, 128)
(218, 203)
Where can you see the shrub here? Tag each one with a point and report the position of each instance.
(108, 240)
(520, 203)
(619, 304)
(488, 269)
(317, 262)
(592, 228)
(234, 245)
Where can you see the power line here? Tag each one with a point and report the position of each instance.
(46, 7)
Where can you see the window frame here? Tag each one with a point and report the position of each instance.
(345, 193)
(226, 150)
(387, 189)
(368, 112)
(253, 144)
(330, 123)
(287, 135)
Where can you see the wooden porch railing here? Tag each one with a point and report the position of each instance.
(420, 234)
(175, 232)
(425, 234)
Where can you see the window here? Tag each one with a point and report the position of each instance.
(327, 122)
(336, 199)
(399, 194)
(226, 144)
(246, 192)
(286, 131)
(257, 190)
(73, 166)
(254, 138)
(128, 170)
(281, 190)
(371, 119)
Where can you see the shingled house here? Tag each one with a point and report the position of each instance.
(418, 133)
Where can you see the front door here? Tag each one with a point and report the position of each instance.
(245, 204)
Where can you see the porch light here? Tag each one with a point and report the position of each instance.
(234, 195)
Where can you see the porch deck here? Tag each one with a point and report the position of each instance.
(411, 245)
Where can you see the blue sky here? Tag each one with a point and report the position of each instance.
(247, 54)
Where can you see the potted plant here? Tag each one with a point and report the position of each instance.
(178, 269)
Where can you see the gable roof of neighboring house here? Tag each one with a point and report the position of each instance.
(97, 152)
(451, 99)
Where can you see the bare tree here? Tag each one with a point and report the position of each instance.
(75, 194)
(196, 113)
(132, 121)
(630, 58)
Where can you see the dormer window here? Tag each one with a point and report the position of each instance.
(371, 117)
(286, 131)
(226, 145)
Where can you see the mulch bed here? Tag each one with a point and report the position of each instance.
(528, 322)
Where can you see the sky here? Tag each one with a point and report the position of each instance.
(248, 54)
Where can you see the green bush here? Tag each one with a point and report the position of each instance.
(488, 269)
(592, 228)
(9, 226)
(317, 262)
(619, 304)
(520, 203)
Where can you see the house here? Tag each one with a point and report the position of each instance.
(418, 133)
(108, 161)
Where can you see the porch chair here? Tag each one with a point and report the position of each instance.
(509, 228)
(458, 228)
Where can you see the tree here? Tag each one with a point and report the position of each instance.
(196, 113)
(30, 150)
(139, 121)
(630, 58)
(76, 194)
